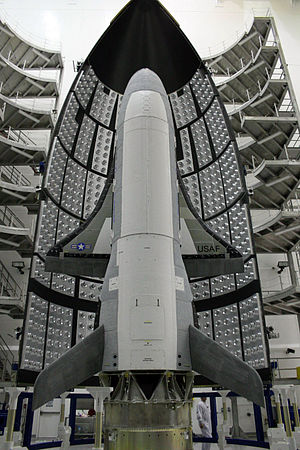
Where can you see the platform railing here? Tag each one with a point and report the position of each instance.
(6, 360)
(226, 44)
(43, 73)
(8, 218)
(292, 204)
(14, 176)
(269, 292)
(8, 286)
(19, 136)
(281, 372)
(34, 40)
(38, 105)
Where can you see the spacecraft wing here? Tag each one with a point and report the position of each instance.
(85, 251)
(219, 365)
(75, 366)
(209, 255)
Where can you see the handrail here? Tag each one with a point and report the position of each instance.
(32, 39)
(8, 218)
(292, 204)
(36, 105)
(228, 43)
(43, 74)
(6, 357)
(271, 291)
(285, 368)
(14, 175)
(19, 135)
(8, 286)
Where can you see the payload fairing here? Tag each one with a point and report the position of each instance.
(148, 342)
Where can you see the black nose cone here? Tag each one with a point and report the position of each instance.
(142, 35)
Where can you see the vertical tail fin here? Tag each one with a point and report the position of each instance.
(219, 365)
(76, 365)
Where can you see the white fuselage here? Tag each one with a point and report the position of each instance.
(147, 323)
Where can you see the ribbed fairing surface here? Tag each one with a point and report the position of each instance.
(229, 307)
(61, 309)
